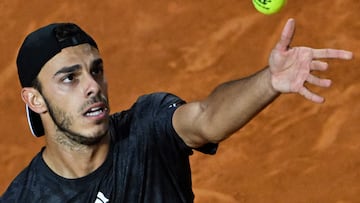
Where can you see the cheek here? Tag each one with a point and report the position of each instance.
(67, 103)
(104, 87)
(63, 96)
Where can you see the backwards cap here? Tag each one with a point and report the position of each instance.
(38, 48)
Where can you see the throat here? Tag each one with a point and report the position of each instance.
(71, 164)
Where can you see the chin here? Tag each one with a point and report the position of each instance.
(98, 130)
(88, 137)
(91, 139)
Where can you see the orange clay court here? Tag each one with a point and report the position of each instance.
(294, 151)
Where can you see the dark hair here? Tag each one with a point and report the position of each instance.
(37, 85)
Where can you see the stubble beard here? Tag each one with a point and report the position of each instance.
(63, 122)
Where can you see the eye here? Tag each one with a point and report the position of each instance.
(97, 71)
(68, 78)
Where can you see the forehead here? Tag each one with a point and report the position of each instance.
(83, 54)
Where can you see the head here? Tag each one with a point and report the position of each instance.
(63, 84)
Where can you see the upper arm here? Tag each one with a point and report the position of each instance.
(188, 123)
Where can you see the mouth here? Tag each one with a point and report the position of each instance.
(96, 111)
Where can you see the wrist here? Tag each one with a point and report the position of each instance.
(268, 77)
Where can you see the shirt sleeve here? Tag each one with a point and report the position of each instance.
(166, 104)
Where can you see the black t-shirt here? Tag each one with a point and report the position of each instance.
(147, 162)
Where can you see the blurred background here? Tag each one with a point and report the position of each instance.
(293, 151)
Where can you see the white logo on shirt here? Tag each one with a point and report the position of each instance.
(100, 198)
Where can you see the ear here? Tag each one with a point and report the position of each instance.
(33, 99)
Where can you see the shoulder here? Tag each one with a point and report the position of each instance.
(147, 107)
(18, 189)
(160, 98)
(148, 104)
(24, 186)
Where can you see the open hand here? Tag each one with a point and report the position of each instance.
(291, 67)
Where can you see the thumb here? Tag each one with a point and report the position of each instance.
(287, 35)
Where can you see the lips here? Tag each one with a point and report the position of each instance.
(96, 110)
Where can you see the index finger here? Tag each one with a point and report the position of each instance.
(332, 53)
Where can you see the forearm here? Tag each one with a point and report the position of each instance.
(231, 105)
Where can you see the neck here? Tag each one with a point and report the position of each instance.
(75, 161)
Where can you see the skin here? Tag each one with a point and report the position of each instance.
(74, 84)
(78, 144)
(231, 105)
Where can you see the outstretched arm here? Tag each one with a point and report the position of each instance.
(231, 105)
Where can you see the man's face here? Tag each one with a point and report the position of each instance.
(75, 91)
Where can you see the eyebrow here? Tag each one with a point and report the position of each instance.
(96, 62)
(76, 67)
(67, 69)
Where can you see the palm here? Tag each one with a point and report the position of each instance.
(291, 67)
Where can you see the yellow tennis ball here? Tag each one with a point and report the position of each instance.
(269, 6)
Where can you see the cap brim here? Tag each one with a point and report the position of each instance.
(34, 121)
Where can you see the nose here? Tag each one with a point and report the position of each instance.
(91, 86)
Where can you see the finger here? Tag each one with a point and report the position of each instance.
(311, 96)
(318, 65)
(286, 35)
(332, 53)
(318, 81)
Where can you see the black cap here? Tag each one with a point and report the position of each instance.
(38, 48)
